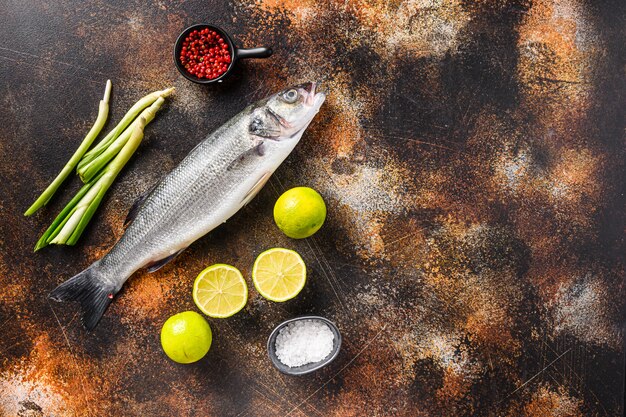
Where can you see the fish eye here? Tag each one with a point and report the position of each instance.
(290, 96)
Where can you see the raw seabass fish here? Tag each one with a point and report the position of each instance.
(218, 177)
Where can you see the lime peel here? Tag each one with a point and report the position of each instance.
(300, 212)
(186, 337)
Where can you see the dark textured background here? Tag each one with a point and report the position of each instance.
(471, 153)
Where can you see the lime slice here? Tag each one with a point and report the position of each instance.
(279, 274)
(220, 291)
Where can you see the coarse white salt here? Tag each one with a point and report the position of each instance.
(304, 341)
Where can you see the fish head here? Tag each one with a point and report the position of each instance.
(287, 113)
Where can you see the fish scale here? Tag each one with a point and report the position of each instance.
(218, 177)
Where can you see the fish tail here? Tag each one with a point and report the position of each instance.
(92, 293)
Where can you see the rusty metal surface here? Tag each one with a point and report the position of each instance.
(472, 157)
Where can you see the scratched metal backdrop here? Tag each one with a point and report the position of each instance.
(472, 157)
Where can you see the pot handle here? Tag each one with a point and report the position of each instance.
(253, 53)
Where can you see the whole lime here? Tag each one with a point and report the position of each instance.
(186, 337)
(300, 212)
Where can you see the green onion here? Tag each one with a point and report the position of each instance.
(90, 170)
(119, 129)
(72, 221)
(103, 113)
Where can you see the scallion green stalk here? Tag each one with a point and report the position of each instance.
(90, 170)
(103, 113)
(72, 221)
(130, 115)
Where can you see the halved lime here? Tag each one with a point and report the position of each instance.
(220, 291)
(279, 274)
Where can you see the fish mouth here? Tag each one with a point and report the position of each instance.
(279, 119)
(312, 100)
(315, 93)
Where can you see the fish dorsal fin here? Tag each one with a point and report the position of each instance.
(256, 188)
(134, 209)
(155, 266)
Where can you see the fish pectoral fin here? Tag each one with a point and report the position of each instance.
(155, 266)
(257, 150)
(134, 209)
(256, 188)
